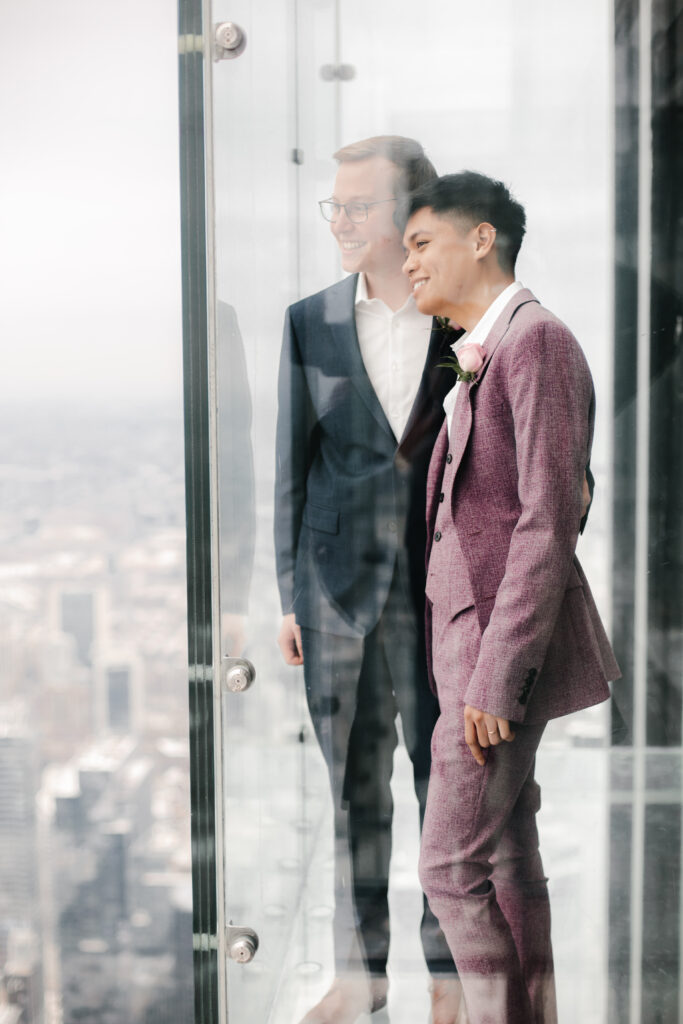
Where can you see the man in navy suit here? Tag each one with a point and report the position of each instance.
(360, 405)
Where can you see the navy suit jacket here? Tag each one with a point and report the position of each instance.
(349, 496)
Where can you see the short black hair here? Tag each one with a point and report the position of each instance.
(476, 199)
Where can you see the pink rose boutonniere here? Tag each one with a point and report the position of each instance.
(467, 362)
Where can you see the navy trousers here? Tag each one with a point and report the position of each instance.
(355, 688)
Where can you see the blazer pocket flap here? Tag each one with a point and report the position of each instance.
(460, 604)
(324, 519)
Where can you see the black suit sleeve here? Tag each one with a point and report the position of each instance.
(295, 445)
(591, 487)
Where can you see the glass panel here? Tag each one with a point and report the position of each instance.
(95, 859)
(320, 770)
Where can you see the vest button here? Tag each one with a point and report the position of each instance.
(441, 496)
(437, 536)
(449, 458)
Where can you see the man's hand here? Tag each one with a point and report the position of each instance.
(289, 641)
(484, 730)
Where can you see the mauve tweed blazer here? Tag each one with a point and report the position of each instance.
(521, 440)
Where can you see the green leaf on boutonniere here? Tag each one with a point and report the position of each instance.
(451, 363)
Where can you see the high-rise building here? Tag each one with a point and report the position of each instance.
(77, 617)
(20, 949)
(18, 785)
(23, 976)
(118, 693)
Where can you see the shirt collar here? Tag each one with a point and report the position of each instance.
(482, 329)
(361, 290)
(363, 301)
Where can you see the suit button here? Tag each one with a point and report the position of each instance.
(441, 496)
(437, 536)
(449, 458)
(392, 527)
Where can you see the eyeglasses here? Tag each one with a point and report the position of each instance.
(356, 212)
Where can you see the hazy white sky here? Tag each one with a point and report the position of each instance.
(89, 199)
(89, 203)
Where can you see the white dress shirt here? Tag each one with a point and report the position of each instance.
(478, 336)
(394, 349)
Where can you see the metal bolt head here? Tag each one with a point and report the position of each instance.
(242, 949)
(228, 35)
(237, 674)
(237, 680)
(337, 72)
(230, 40)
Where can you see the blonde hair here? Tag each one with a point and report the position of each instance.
(414, 168)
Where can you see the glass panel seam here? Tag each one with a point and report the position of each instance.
(641, 504)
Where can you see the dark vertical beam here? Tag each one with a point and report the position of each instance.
(665, 578)
(662, 895)
(648, 900)
(663, 867)
(625, 343)
(626, 211)
(196, 404)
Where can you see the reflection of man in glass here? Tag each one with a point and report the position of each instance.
(515, 638)
(360, 404)
(235, 478)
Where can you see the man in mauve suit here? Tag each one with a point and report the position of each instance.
(514, 638)
(360, 405)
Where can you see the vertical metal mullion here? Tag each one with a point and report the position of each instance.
(642, 460)
(220, 891)
(609, 388)
(200, 560)
(337, 82)
(297, 147)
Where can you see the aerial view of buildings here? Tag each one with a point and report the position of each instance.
(95, 890)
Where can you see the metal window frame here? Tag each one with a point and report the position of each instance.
(203, 610)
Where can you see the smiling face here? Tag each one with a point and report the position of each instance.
(373, 247)
(443, 259)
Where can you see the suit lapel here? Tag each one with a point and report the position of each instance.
(501, 327)
(462, 414)
(461, 425)
(434, 384)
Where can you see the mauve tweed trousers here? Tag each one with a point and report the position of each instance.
(480, 864)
